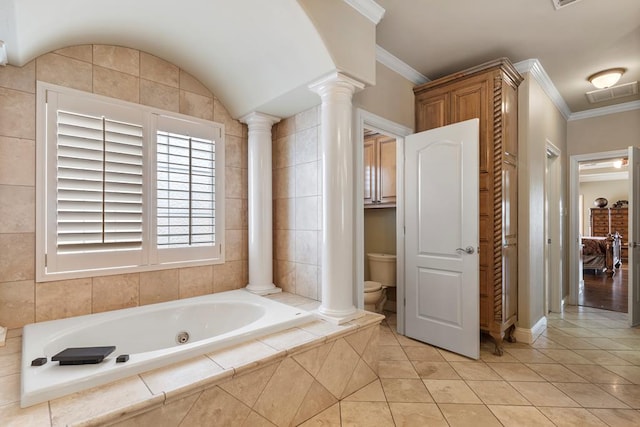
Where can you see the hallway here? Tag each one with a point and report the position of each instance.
(583, 371)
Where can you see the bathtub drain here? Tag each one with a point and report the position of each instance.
(182, 337)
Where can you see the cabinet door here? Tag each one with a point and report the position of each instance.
(369, 154)
(432, 111)
(387, 171)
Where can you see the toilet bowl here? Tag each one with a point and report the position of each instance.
(382, 269)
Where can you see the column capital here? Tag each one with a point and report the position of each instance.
(335, 83)
(259, 121)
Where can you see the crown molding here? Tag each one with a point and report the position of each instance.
(603, 111)
(534, 68)
(368, 8)
(608, 176)
(400, 67)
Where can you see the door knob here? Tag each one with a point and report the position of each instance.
(468, 249)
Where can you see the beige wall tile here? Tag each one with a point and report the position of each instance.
(19, 78)
(286, 127)
(62, 299)
(307, 280)
(317, 400)
(181, 374)
(158, 70)
(82, 52)
(17, 257)
(285, 275)
(17, 303)
(117, 58)
(245, 244)
(329, 417)
(307, 118)
(196, 105)
(284, 184)
(227, 276)
(18, 111)
(313, 359)
(307, 213)
(116, 84)
(196, 281)
(233, 152)
(159, 286)
(159, 96)
(255, 420)
(307, 247)
(366, 414)
(17, 161)
(191, 84)
(216, 404)
(307, 179)
(284, 214)
(307, 145)
(338, 367)
(115, 292)
(361, 376)
(17, 209)
(9, 389)
(233, 245)
(64, 71)
(170, 414)
(233, 214)
(233, 183)
(285, 245)
(221, 115)
(284, 151)
(249, 386)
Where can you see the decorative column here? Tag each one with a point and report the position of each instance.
(260, 204)
(336, 141)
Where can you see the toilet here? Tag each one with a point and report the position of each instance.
(382, 269)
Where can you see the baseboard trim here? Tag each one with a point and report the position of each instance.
(530, 335)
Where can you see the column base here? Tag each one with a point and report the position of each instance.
(339, 318)
(263, 290)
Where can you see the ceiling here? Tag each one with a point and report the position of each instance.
(439, 37)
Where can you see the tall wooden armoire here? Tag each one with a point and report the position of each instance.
(488, 92)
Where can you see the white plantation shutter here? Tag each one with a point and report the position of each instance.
(99, 188)
(123, 187)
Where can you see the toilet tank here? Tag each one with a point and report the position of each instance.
(382, 268)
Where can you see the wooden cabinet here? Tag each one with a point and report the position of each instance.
(488, 92)
(379, 172)
(611, 220)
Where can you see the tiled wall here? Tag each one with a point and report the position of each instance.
(297, 204)
(133, 76)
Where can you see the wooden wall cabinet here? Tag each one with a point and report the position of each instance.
(488, 92)
(379, 172)
(611, 220)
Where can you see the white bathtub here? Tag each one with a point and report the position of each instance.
(148, 334)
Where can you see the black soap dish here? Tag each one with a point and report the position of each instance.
(82, 355)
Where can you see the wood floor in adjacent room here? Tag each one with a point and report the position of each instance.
(605, 292)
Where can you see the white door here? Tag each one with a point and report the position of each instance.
(441, 237)
(634, 236)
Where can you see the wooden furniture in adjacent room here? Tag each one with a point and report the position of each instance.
(488, 92)
(379, 171)
(606, 221)
(601, 253)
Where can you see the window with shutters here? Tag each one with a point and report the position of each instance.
(123, 187)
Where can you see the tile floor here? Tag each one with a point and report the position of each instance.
(584, 370)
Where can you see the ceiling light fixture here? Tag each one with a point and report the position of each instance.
(606, 78)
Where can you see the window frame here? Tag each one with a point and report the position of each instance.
(149, 258)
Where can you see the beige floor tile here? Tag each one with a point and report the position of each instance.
(590, 396)
(545, 342)
(632, 356)
(328, 418)
(521, 416)
(366, 414)
(417, 415)
(566, 356)
(602, 357)
(632, 373)
(543, 394)
(618, 417)
(370, 393)
(515, 372)
(488, 355)
(435, 370)
(468, 415)
(425, 353)
(451, 391)
(597, 374)
(529, 355)
(405, 390)
(453, 357)
(475, 371)
(497, 393)
(556, 372)
(628, 393)
(396, 369)
(387, 337)
(392, 352)
(608, 344)
(571, 417)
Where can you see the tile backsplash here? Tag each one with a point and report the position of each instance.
(134, 76)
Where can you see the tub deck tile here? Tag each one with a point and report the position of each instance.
(179, 375)
(246, 355)
(289, 340)
(322, 328)
(37, 415)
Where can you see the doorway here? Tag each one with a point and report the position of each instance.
(553, 231)
(591, 282)
(373, 124)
